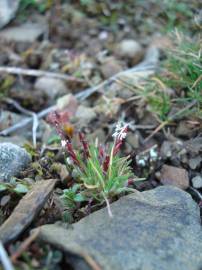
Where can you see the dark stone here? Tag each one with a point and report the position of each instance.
(155, 230)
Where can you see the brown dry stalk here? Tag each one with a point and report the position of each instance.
(24, 246)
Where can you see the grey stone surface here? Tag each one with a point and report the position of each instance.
(85, 115)
(153, 230)
(51, 87)
(28, 32)
(110, 67)
(12, 160)
(8, 9)
(197, 181)
(19, 140)
(174, 176)
(195, 162)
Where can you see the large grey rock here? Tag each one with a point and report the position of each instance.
(12, 160)
(8, 9)
(153, 230)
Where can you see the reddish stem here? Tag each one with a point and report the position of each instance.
(101, 152)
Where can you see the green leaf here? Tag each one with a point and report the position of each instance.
(20, 188)
(54, 139)
(3, 187)
(79, 198)
(75, 188)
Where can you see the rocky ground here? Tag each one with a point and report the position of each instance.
(99, 63)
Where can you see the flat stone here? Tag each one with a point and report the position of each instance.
(8, 9)
(195, 162)
(174, 176)
(8, 119)
(166, 149)
(97, 134)
(185, 130)
(85, 115)
(27, 209)
(133, 139)
(13, 159)
(110, 67)
(153, 230)
(67, 103)
(28, 32)
(51, 87)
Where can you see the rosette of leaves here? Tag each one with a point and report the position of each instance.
(72, 199)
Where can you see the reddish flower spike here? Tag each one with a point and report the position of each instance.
(106, 163)
(84, 144)
(72, 154)
(117, 147)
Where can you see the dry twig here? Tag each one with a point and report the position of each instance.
(147, 65)
(170, 119)
(26, 121)
(37, 73)
(25, 111)
(24, 246)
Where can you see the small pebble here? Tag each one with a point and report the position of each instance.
(197, 181)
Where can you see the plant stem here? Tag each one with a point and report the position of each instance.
(111, 160)
(108, 206)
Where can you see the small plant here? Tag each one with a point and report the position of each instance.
(100, 172)
(71, 199)
(19, 187)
